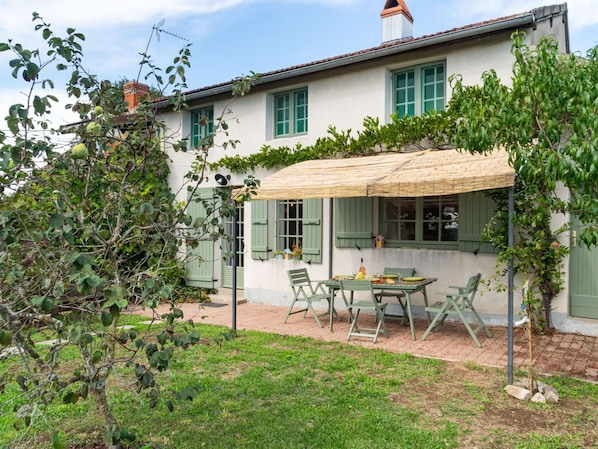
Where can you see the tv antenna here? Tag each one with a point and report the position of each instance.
(157, 28)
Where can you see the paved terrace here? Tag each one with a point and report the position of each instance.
(556, 353)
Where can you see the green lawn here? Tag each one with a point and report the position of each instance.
(269, 391)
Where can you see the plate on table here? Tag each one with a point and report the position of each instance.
(390, 276)
(338, 277)
(413, 279)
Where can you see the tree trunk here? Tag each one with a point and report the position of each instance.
(110, 423)
(97, 379)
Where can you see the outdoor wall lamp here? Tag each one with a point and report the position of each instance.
(222, 180)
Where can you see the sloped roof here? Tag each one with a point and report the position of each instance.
(472, 31)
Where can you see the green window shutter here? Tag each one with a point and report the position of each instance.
(475, 211)
(312, 231)
(200, 260)
(353, 222)
(259, 230)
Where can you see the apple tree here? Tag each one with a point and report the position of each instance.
(548, 122)
(90, 230)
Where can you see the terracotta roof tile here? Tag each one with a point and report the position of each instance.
(386, 45)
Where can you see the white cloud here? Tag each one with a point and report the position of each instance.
(111, 13)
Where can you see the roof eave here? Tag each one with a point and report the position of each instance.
(375, 53)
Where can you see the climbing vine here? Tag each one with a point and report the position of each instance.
(427, 131)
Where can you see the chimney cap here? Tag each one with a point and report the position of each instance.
(393, 7)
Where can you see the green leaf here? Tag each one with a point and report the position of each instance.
(5, 338)
(94, 280)
(55, 221)
(69, 398)
(106, 319)
(37, 300)
(47, 305)
(58, 440)
(146, 208)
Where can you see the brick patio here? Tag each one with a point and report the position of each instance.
(557, 353)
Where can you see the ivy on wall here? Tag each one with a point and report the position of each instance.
(427, 131)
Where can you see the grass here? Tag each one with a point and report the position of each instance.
(270, 391)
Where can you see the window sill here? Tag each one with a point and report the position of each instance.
(421, 245)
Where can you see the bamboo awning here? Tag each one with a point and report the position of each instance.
(421, 173)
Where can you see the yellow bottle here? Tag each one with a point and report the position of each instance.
(361, 267)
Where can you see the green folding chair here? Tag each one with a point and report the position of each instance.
(308, 292)
(369, 303)
(457, 303)
(400, 296)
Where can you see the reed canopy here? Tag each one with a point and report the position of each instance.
(413, 174)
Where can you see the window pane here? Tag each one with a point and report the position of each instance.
(202, 125)
(428, 219)
(228, 226)
(391, 219)
(405, 93)
(289, 223)
(301, 111)
(282, 114)
(433, 88)
(431, 217)
(399, 215)
(408, 208)
(450, 218)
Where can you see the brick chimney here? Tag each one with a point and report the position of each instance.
(134, 92)
(397, 23)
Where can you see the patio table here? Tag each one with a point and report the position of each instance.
(408, 288)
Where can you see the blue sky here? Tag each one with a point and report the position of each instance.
(233, 37)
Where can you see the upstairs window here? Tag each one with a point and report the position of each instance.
(419, 89)
(202, 126)
(290, 113)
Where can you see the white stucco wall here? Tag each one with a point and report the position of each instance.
(343, 100)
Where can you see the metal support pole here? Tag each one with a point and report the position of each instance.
(510, 289)
(235, 261)
(330, 236)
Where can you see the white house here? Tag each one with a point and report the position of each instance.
(297, 105)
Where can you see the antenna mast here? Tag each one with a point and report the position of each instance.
(158, 29)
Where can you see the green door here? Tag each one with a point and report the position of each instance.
(227, 247)
(583, 282)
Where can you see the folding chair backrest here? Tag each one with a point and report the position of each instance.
(300, 279)
(471, 288)
(403, 272)
(357, 286)
(299, 276)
